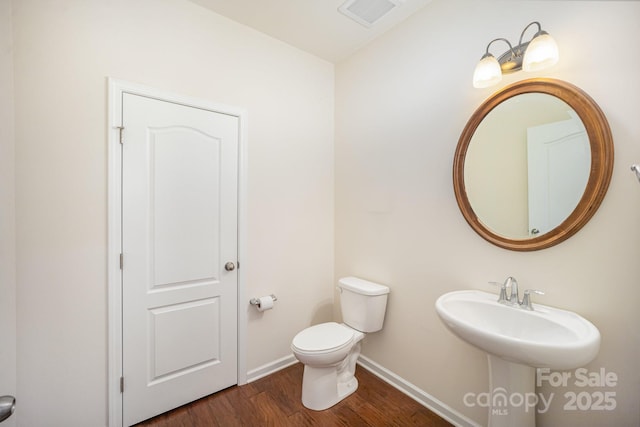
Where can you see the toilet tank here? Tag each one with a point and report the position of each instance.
(362, 303)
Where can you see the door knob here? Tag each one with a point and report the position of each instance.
(7, 406)
(229, 266)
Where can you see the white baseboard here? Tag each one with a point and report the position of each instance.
(420, 396)
(270, 368)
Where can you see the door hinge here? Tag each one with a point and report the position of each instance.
(121, 261)
(121, 384)
(121, 129)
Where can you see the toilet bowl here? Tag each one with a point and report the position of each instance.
(329, 351)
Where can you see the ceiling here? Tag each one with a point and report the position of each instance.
(314, 26)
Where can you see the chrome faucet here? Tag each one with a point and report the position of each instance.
(514, 298)
(502, 299)
(526, 298)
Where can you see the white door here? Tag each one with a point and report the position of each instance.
(559, 162)
(179, 229)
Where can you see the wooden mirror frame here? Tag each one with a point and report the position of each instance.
(601, 143)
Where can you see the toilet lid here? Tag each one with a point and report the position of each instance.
(323, 337)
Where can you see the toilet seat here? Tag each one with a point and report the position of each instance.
(324, 338)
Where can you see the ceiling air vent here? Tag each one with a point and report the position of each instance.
(368, 12)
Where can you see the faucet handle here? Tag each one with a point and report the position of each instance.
(503, 291)
(526, 299)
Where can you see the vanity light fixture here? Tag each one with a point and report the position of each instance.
(538, 53)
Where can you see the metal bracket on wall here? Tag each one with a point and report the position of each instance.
(636, 169)
(7, 407)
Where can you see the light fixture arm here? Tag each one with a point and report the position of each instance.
(495, 40)
(535, 35)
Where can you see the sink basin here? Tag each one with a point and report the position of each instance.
(544, 338)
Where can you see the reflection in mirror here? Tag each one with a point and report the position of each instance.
(527, 165)
(533, 164)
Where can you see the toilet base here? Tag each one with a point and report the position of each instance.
(321, 388)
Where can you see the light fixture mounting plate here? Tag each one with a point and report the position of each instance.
(511, 60)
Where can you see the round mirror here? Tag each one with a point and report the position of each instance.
(533, 164)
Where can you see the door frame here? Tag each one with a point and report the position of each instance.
(116, 89)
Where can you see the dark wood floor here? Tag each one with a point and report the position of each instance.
(275, 401)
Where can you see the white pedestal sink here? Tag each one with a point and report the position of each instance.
(517, 341)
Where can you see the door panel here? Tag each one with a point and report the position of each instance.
(179, 225)
(167, 325)
(184, 166)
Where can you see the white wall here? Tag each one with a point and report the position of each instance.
(401, 104)
(7, 212)
(64, 51)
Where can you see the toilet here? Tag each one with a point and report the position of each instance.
(329, 351)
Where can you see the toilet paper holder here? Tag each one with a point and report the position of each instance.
(256, 301)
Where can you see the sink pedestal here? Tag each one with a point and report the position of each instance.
(512, 391)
